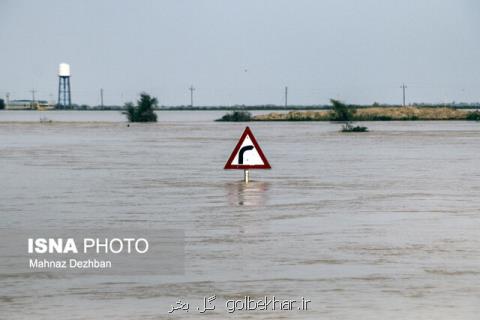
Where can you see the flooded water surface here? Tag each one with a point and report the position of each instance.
(377, 225)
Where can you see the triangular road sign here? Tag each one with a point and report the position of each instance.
(247, 154)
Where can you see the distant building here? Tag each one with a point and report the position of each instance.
(29, 105)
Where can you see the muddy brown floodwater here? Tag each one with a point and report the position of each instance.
(378, 225)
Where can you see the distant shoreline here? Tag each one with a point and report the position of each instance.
(377, 114)
(253, 108)
(260, 107)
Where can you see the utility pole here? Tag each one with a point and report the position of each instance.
(33, 97)
(403, 87)
(286, 97)
(101, 98)
(191, 95)
(8, 99)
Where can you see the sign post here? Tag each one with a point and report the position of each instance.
(247, 155)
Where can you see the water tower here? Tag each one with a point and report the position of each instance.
(64, 93)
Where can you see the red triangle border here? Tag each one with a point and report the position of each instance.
(265, 165)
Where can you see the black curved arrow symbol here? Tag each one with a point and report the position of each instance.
(242, 151)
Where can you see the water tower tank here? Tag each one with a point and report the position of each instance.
(64, 70)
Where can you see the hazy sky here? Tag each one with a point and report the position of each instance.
(244, 51)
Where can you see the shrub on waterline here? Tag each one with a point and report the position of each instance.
(143, 111)
(236, 116)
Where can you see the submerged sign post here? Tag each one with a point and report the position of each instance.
(247, 155)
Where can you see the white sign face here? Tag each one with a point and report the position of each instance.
(247, 154)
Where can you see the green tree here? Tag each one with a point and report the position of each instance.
(2, 104)
(143, 111)
(345, 113)
(342, 111)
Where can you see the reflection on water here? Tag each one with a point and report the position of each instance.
(254, 193)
